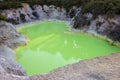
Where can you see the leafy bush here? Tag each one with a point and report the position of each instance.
(2, 17)
(8, 5)
(96, 7)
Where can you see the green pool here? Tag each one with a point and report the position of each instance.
(51, 46)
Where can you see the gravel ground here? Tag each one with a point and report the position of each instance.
(100, 68)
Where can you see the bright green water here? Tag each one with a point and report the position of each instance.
(51, 46)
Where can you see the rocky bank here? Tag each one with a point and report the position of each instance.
(36, 12)
(96, 24)
(101, 68)
(10, 39)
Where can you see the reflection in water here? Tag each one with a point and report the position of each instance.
(42, 61)
(50, 47)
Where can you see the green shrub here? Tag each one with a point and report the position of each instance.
(2, 17)
(109, 7)
(8, 5)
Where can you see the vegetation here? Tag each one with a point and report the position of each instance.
(2, 17)
(9, 4)
(93, 6)
(109, 7)
(6, 4)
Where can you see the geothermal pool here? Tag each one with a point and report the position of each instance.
(51, 45)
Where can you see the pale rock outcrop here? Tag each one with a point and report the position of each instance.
(63, 14)
(36, 12)
(57, 13)
(24, 17)
(100, 24)
(28, 10)
(9, 35)
(53, 12)
(50, 12)
(7, 52)
(12, 14)
(11, 67)
(40, 14)
(9, 39)
(46, 8)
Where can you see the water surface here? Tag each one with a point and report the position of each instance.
(51, 46)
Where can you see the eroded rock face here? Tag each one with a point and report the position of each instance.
(73, 11)
(50, 12)
(12, 15)
(5, 51)
(11, 67)
(10, 39)
(101, 24)
(115, 33)
(12, 77)
(9, 35)
(87, 22)
(37, 12)
(27, 9)
(80, 22)
(101, 68)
